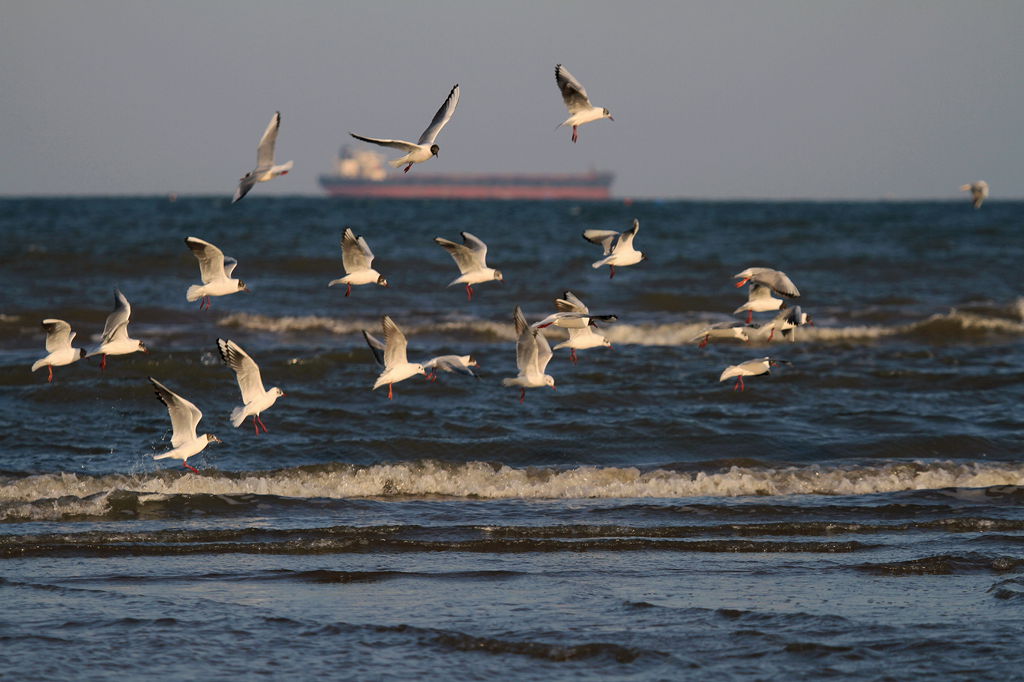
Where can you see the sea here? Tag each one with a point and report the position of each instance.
(857, 513)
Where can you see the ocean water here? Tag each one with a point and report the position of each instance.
(857, 513)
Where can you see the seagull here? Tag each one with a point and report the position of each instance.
(425, 147)
(391, 355)
(184, 418)
(618, 247)
(776, 280)
(115, 339)
(58, 344)
(978, 190)
(582, 339)
(788, 320)
(471, 257)
(457, 364)
(357, 258)
(532, 357)
(577, 102)
(215, 270)
(759, 299)
(572, 314)
(256, 399)
(723, 331)
(750, 368)
(265, 168)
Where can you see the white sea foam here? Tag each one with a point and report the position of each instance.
(954, 324)
(53, 496)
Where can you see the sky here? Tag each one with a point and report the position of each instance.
(720, 99)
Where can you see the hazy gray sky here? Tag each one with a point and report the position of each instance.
(712, 99)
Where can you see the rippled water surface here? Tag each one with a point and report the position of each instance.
(857, 512)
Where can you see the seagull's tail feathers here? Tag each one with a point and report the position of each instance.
(238, 416)
(165, 455)
(194, 293)
(38, 364)
(603, 261)
(396, 163)
(340, 280)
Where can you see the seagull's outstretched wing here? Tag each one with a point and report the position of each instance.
(184, 415)
(396, 144)
(58, 334)
(211, 259)
(246, 370)
(395, 343)
(117, 321)
(443, 115)
(355, 252)
(265, 150)
(573, 93)
(377, 347)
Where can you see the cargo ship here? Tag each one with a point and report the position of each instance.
(364, 173)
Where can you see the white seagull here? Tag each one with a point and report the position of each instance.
(357, 259)
(392, 357)
(58, 345)
(115, 339)
(776, 280)
(471, 257)
(455, 364)
(184, 418)
(532, 357)
(618, 247)
(572, 314)
(425, 147)
(759, 299)
(723, 331)
(750, 368)
(582, 339)
(215, 270)
(256, 399)
(978, 190)
(577, 102)
(265, 168)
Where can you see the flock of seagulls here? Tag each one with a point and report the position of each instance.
(533, 352)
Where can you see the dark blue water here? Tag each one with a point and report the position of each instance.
(855, 513)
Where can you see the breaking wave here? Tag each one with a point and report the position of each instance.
(68, 495)
(956, 325)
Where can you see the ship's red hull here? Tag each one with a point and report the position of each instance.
(590, 186)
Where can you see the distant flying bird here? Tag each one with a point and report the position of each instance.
(215, 270)
(618, 247)
(978, 190)
(577, 102)
(724, 331)
(255, 398)
(425, 147)
(115, 339)
(184, 418)
(357, 259)
(750, 368)
(454, 364)
(58, 346)
(572, 314)
(776, 280)
(392, 357)
(533, 353)
(788, 320)
(471, 257)
(759, 299)
(582, 339)
(265, 169)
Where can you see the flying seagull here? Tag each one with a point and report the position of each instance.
(115, 339)
(255, 398)
(184, 418)
(357, 259)
(577, 102)
(978, 190)
(425, 146)
(618, 247)
(265, 168)
(215, 270)
(471, 257)
(58, 346)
